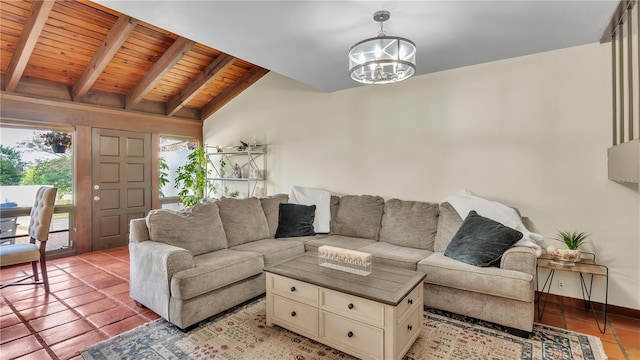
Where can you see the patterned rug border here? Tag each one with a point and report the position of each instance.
(591, 346)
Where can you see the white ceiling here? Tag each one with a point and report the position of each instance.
(308, 40)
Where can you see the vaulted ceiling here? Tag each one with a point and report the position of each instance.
(83, 52)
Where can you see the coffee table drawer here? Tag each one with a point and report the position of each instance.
(294, 289)
(409, 329)
(412, 299)
(354, 337)
(298, 317)
(353, 307)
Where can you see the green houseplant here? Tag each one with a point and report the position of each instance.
(573, 240)
(59, 141)
(192, 178)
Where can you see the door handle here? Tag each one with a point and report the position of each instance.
(96, 198)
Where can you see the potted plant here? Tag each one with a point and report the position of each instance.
(573, 240)
(59, 141)
(192, 178)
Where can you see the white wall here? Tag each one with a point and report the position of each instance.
(531, 132)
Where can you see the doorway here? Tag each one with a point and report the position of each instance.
(121, 174)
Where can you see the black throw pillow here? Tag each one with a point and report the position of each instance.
(481, 241)
(295, 220)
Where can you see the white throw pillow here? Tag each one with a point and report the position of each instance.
(320, 198)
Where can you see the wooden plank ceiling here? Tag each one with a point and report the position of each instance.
(84, 52)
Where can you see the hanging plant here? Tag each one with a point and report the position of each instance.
(59, 141)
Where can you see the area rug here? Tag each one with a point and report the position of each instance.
(242, 334)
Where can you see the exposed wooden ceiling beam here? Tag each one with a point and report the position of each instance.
(109, 47)
(28, 38)
(220, 64)
(175, 52)
(232, 91)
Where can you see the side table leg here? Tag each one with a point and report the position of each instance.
(547, 285)
(586, 298)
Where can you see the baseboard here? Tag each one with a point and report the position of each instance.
(577, 303)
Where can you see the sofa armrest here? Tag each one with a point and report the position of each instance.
(138, 231)
(152, 265)
(519, 258)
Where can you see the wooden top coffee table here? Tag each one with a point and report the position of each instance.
(378, 316)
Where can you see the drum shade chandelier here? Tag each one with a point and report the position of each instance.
(382, 59)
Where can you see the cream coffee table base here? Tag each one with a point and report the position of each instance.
(371, 317)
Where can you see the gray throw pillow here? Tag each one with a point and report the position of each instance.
(243, 220)
(196, 229)
(409, 223)
(358, 216)
(295, 220)
(270, 206)
(481, 241)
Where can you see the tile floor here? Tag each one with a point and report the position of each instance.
(89, 302)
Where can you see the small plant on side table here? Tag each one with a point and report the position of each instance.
(573, 240)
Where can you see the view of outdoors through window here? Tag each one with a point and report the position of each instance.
(29, 159)
(173, 153)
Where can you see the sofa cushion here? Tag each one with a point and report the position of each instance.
(215, 270)
(409, 223)
(445, 271)
(295, 220)
(243, 220)
(359, 216)
(346, 242)
(271, 208)
(197, 229)
(448, 224)
(333, 207)
(273, 250)
(393, 255)
(481, 241)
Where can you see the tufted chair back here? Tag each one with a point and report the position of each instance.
(41, 213)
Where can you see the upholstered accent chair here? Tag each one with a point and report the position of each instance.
(35, 250)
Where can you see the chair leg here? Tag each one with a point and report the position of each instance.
(45, 277)
(34, 266)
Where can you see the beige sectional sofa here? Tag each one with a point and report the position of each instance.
(192, 265)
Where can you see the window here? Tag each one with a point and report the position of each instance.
(173, 154)
(30, 158)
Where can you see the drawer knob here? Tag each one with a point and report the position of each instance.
(350, 334)
(410, 327)
(350, 306)
(293, 288)
(293, 313)
(410, 301)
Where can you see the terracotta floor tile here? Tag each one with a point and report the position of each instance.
(122, 288)
(125, 299)
(66, 331)
(124, 325)
(624, 322)
(67, 262)
(150, 315)
(110, 316)
(33, 302)
(83, 270)
(78, 290)
(84, 299)
(96, 307)
(60, 278)
(613, 351)
(628, 338)
(5, 309)
(13, 332)
(20, 347)
(632, 353)
(17, 293)
(552, 320)
(108, 282)
(38, 355)
(49, 321)
(74, 346)
(589, 327)
(8, 320)
(69, 284)
(43, 310)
